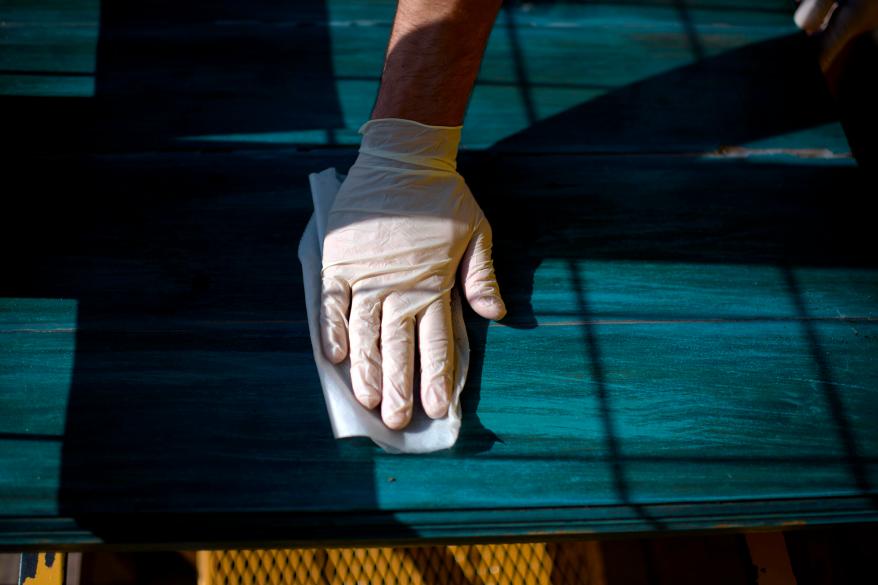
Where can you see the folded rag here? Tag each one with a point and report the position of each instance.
(347, 416)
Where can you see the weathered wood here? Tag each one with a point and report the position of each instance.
(682, 240)
(671, 349)
(664, 76)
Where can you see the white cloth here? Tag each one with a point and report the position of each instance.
(347, 416)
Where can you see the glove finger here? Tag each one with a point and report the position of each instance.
(335, 299)
(811, 14)
(477, 272)
(437, 357)
(365, 330)
(398, 356)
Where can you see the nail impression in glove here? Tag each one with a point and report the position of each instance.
(402, 223)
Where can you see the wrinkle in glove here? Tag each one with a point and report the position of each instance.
(347, 416)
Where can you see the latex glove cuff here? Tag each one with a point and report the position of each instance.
(414, 143)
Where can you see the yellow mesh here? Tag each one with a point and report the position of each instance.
(516, 564)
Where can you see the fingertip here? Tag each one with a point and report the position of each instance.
(335, 353)
(369, 399)
(365, 379)
(436, 407)
(436, 391)
(489, 306)
(398, 419)
(335, 346)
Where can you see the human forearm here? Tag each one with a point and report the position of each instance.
(432, 60)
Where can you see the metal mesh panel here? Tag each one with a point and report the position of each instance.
(517, 564)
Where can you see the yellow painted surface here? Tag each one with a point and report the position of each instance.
(47, 574)
(516, 564)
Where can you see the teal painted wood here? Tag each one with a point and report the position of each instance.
(689, 347)
(617, 77)
(691, 338)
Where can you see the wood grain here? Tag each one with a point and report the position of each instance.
(684, 249)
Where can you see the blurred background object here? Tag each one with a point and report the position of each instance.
(803, 557)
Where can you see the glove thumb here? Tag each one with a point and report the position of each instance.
(477, 273)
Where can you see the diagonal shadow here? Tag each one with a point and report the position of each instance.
(764, 89)
(783, 92)
(685, 17)
(193, 385)
(830, 390)
(521, 76)
(168, 69)
(595, 360)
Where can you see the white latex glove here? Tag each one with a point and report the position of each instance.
(837, 22)
(402, 222)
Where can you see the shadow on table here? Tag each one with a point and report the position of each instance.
(188, 284)
(803, 211)
(193, 386)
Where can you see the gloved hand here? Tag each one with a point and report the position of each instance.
(837, 22)
(402, 222)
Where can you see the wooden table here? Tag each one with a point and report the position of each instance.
(683, 240)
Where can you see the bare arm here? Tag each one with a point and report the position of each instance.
(432, 60)
(398, 236)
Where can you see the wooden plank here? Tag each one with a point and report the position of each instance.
(701, 316)
(39, 336)
(636, 77)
